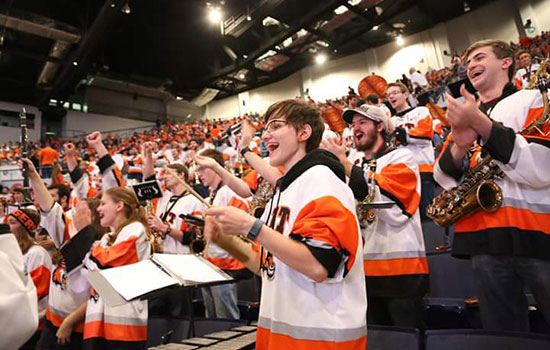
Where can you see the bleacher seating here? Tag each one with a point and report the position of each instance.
(392, 338)
(473, 339)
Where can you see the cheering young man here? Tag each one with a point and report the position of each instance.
(309, 255)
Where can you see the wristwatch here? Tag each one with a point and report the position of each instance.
(255, 230)
(245, 150)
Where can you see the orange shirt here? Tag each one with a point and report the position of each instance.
(47, 156)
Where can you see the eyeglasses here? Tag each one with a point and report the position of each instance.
(394, 92)
(274, 125)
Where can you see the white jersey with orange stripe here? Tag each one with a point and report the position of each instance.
(38, 265)
(395, 235)
(169, 208)
(317, 209)
(66, 293)
(525, 212)
(418, 123)
(129, 321)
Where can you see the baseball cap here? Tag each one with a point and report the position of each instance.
(372, 112)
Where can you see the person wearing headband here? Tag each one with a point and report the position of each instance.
(37, 261)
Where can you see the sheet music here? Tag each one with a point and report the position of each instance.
(134, 280)
(190, 268)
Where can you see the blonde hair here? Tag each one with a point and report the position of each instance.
(133, 212)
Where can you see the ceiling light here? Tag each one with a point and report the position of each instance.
(340, 9)
(354, 2)
(466, 7)
(248, 18)
(126, 9)
(214, 15)
(75, 63)
(399, 40)
(375, 28)
(320, 59)
(242, 76)
(179, 98)
(245, 56)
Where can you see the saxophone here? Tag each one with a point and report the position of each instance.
(154, 237)
(263, 194)
(365, 213)
(478, 191)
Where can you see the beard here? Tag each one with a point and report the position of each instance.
(369, 141)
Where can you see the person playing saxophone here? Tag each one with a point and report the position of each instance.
(510, 247)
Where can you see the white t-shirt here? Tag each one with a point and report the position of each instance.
(418, 80)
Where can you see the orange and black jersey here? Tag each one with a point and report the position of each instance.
(521, 227)
(394, 255)
(313, 205)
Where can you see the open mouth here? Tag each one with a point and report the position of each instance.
(476, 73)
(359, 136)
(272, 147)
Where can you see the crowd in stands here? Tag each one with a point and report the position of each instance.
(225, 161)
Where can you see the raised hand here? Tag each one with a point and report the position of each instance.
(30, 167)
(82, 216)
(205, 162)
(70, 149)
(94, 139)
(334, 146)
(247, 134)
(462, 115)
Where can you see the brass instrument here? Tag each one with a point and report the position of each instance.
(478, 191)
(365, 208)
(154, 237)
(540, 75)
(198, 244)
(263, 194)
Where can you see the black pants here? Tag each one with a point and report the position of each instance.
(31, 343)
(407, 312)
(48, 339)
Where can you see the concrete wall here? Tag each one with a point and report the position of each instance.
(14, 134)
(77, 123)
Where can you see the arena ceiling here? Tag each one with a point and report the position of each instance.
(54, 49)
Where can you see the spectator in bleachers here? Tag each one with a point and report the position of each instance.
(526, 69)
(418, 81)
(416, 126)
(47, 156)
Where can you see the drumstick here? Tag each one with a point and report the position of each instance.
(187, 187)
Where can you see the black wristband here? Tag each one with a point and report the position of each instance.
(167, 231)
(245, 150)
(255, 230)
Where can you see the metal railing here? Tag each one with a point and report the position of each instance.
(120, 132)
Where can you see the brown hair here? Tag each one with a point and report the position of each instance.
(214, 154)
(298, 113)
(24, 237)
(132, 212)
(180, 170)
(500, 48)
(401, 87)
(56, 170)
